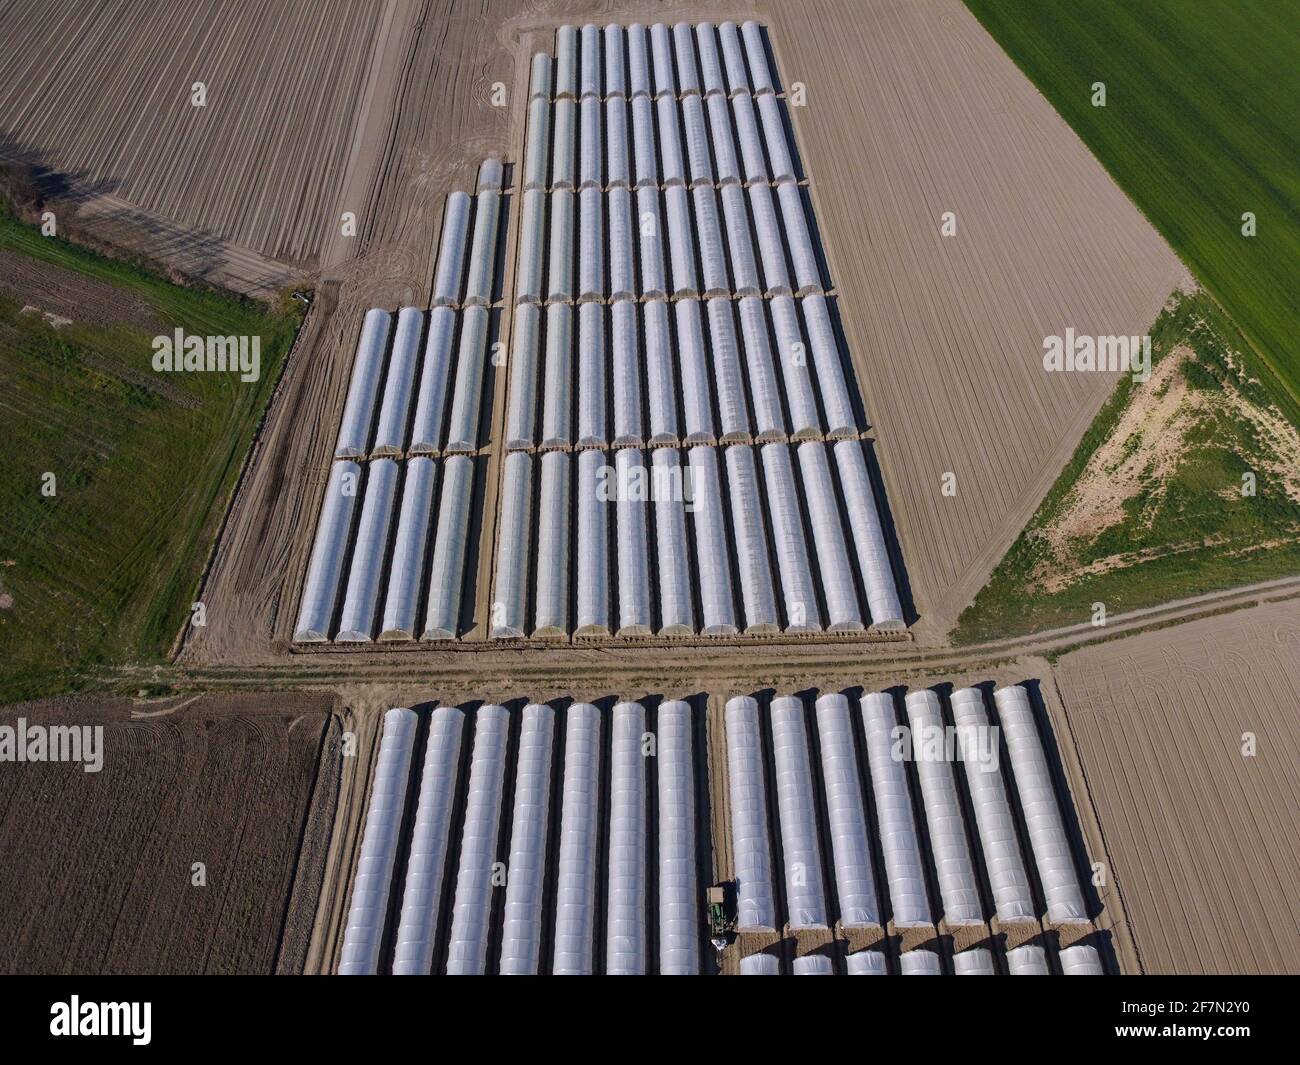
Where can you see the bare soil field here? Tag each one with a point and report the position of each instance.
(244, 784)
(1201, 836)
(53, 290)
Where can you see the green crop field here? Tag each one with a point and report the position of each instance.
(105, 568)
(1201, 124)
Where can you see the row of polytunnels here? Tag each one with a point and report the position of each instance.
(578, 838)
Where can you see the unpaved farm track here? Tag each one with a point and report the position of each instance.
(243, 784)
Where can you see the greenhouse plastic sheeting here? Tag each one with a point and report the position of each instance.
(615, 70)
(661, 47)
(676, 612)
(559, 272)
(532, 248)
(633, 549)
(363, 388)
(840, 418)
(832, 555)
(361, 600)
(713, 258)
(363, 934)
(733, 55)
(579, 858)
(622, 246)
(756, 591)
(868, 536)
(452, 245)
(564, 124)
(807, 272)
(467, 396)
(1081, 959)
(591, 244)
(764, 391)
(426, 861)
(978, 961)
(736, 216)
(483, 243)
(778, 149)
(805, 896)
(510, 603)
(855, 881)
(552, 601)
(733, 412)
(751, 141)
(325, 571)
(447, 570)
(679, 933)
(681, 242)
(697, 141)
(390, 435)
(756, 54)
(760, 965)
(920, 963)
(661, 380)
(593, 389)
(792, 355)
(771, 249)
(798, 592)
(471, 914)
(750, 845)
(626, 349)
(625, 900)
(813, 965)
(521, 926)
(684, 44)
(589, 83)
(435, 375)
(671, 159)
(618, 161)
(591, 144)
(710, 60)
(644, 151)
(537, 146)
(650, 240)
(711, 554)
(724, 144)
(525, 345)
(638, 60)
(557, 387)
(566, 61)
(1028, 960)
(697, 396)
(867, 963)
(593, 548)
(409, 550)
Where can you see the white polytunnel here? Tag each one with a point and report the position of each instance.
(697, 141)
(760, 965)
(390, 435)
(724, 144)
(551, 609)
(615, 72)
(733, 411)
(978, 961)
(361, 598)
(798, 591)
(618, 161)
(471, 913)
(756, 591)
(792, 355)
(622, 245)
(564, 138)
(650, 234)
(435, 375)
(733, 56)
(867, 963)
(679, 935)
(579, 858)
(842, 611)
(368, 910)
(710, 60)
(521, 926)
(591, 145)
(771, 249)
(626, 348)
(625, 899)
(633, 546)
(426, 863)
(684, 44)
(751, 141)
(711, 555)
(452, 245)
(676, 612)
(756, 54)
(593, 430)
(904, 869)
(807, 272)
(467, 395)
(447, 570)
(1081, 959)
(745, 281)
(855, 881)
(813, 965)
(525, 345)
(953, 864)
(661, 380)
(557, 386)
(868, 536)
(681, 242)
(591, 244)
(840, 417)
(644, 152)
(510, 603)
(559, 271)
(1013, 898)
(713, 257)
(764, 391)
(1042, 813)
(697, 396)
(363, 388)
(805, 896)
(638, 60)
(751, 846)
(672, 161)
(920, 962)
(325, 570)
(537, 145)
(532, 248)
(589, 64)
(593, 594)
(539, 81)
(409, 550)
(661, 47)
(1029, 959)
(483, 244)
(566, 61)
(774, 136)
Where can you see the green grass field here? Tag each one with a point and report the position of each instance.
(1186, 528)
(107, 568)
(1201, 125)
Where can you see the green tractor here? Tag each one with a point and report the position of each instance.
(722, 920)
